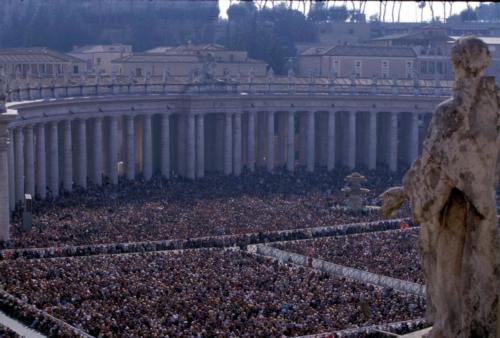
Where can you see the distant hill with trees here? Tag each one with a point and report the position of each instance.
(61, 24)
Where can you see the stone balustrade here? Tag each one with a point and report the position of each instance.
(64, 87)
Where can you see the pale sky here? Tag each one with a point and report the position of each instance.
(409, 13)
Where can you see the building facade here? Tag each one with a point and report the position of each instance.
(358, 61)
(98, 58)
(187, 59)
(26, 62)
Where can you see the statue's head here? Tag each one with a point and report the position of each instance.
(470, 56)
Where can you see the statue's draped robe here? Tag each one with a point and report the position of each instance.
(451, 187)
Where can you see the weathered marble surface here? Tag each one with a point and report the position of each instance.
(451, 188)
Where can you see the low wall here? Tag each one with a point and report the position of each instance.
(26, 313)
(371, 331)
(342, 271)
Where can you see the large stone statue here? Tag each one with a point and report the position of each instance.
(451, 188)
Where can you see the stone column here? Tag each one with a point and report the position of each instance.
(97, 152)
(330, 160)
(413, 138)
(251, 141)
(372, 140)
(41, 157)
(68, 158)
(237, 144)
(12, 171)
(19, 163)
(310, 141)
(181, 160)
(270, 141)
(113, 150)
(228, 144)
(190, 147)
(351, 141)
(200, 146)
(30, 161)
(290, 142)
(392, 151)
(4, 184)
(130, 148)
(147, 148)
(165, 145)
(53, 159)
(81, 179)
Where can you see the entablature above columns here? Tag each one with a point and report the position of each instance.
(39, 111)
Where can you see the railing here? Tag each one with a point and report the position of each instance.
(50, 88)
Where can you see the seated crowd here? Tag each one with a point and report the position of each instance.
(390, 253)
(199, 293)
(178, 208)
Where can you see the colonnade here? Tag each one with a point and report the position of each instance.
(51, 156)
(55, 156)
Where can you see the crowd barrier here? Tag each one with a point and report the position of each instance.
(35, 318)
(374, 331)
(342, 271)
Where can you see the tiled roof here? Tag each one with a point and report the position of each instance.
(187, 49)
(26, 55)
(100, 48)
(372, 51)
(489, 40)
(167, 58)
(316, 50)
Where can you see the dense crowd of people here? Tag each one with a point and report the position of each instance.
(5, 332)
(391, 253)
(198, 293)
(178, 208)
(241, 241)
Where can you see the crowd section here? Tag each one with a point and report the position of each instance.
(5, 332)
(390, 253)
(241, 241)
(178, 208)
(195, 293)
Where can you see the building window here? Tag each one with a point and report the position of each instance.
(409, 69)
(358, 65)
(231, 57)
(75, 69)
(138, 72)
(423, 67)
(336, 67)
(432, 68)
(98, 61)
(439, 67)
(385, 69)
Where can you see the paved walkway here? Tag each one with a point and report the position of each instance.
(18, 327)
